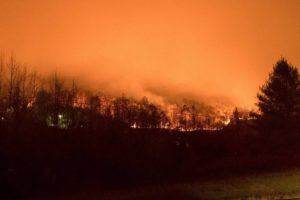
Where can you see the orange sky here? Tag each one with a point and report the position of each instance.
(203, 49)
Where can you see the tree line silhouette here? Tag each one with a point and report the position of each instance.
(57, 102)
(56, 137)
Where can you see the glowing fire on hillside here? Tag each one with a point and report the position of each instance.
(183, 118)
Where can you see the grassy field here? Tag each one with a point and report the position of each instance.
(281, 185)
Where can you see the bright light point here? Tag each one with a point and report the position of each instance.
(59, 116)
(134, 125)
(227, 121)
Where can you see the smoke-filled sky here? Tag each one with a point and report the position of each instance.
(221, 50)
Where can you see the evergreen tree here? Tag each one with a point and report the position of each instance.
(279, 98)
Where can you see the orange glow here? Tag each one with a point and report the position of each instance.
(214, 51)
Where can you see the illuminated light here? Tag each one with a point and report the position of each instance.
(133, 126)
(49, 121)
(226, 122)
(211, 128)
(2, 118)
(59, 116)
(30, 103)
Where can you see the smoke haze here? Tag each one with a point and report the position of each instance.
(211, 51)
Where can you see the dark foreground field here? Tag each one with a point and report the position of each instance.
(123, 163)
(279, 185)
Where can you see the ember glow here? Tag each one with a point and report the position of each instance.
(183, 117)
(160, 49)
